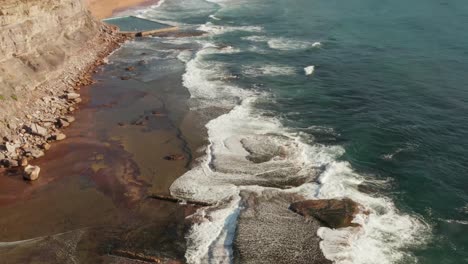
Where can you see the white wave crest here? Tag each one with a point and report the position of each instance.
(309, 70)
(268, 70)
(220, 29)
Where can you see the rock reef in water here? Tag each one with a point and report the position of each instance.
(48, 48)
(332, 213)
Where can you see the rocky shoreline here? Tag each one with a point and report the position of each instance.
(30, 134)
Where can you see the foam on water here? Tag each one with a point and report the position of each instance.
(309, 70)
(226, 168)
(268, 70)
(221, 29)
(284, 44)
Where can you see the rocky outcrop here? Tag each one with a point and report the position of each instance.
(332, 213)
(48, 48)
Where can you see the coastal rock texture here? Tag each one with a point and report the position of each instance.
(267, 232)
(48, 48)
(332, 213)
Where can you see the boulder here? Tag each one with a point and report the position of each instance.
(72, 96)
(45, 146)
(60, 136)
(35, 153)
(130, 68)
(36, 129)
(124, 78)
(69, 119)
(10, 163)
(11, 147)
(332, 213)
(63, 123)
(31, 173)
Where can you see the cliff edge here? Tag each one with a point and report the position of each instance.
(47, 48)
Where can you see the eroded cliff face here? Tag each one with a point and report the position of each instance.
(45, 47)
(37, 37)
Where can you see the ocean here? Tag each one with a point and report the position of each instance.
(368, 98)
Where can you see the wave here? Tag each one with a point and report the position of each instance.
(268, 70)
(454, 221)
(221, 29)
(249, 151)
(284, 44)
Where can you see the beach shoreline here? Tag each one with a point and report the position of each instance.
(106, 8)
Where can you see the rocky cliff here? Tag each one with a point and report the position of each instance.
(46, 46)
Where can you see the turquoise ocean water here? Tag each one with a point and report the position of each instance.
(384, 110)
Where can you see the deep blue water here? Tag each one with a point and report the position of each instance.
(390, 86)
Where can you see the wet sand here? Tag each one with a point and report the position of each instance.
(105, 8)
(91, 202)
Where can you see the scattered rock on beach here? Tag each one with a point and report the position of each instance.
(69, 119)
(124, 78)
(31, 173)
(332, 213)
(11, 147)
(9, 163)
(36, 129)
(63, 123)
(130, 68)
(23, 162)
(45, 146)
(32, 152)
(60, 137)
(72, 96)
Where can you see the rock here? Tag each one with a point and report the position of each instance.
(12, 126)
(10, 163)
(77, 100)
(60, 137)
(23, 162)
(45, 146)
(71, 109)
(130, 68)
(35, 153)
(69, 119)
(332, 213)
(11, 147)
(124, 78)
(2, 156)
(36, 129)
(63, 123)
(31, 173)
(175, 157)
(72, 96)
(47, 124)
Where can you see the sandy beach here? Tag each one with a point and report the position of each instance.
(105, 8)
